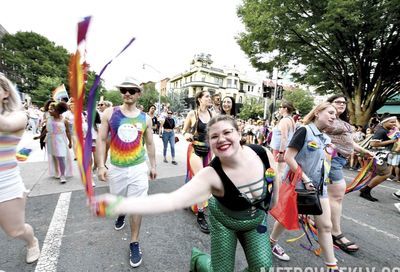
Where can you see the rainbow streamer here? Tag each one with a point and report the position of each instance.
(363, 177)
(76, 81)
(77, 77)
(77, 90)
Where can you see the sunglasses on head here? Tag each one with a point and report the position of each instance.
(131, 91)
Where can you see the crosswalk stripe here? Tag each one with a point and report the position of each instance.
(390, 235)
(52, 243)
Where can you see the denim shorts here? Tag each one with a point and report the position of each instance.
(336, 172)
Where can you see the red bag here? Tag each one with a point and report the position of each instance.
(285, 212)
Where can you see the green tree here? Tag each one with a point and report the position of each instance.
(347, 46)
(114, 96)
(27, 56)
(177, 101)
(251, 109)
(302, 100)
(149, 96)
(44, 90)
(89, 83)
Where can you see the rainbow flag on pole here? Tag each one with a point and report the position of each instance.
(59, 93)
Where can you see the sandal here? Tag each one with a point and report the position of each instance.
(337, 240)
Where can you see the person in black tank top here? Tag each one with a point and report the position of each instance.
(199, 155)
(238, 206)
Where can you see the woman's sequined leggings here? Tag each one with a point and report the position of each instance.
(225, 231)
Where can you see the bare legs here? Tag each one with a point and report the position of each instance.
(324, 226)
(336, 193)
(135, 222)
(12, 221)
(196, 163)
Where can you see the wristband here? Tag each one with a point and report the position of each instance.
(107, 209)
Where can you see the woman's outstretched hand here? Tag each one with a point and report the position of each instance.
(106, 205)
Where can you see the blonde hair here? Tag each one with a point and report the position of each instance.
(13, 100)
(310, 117)
(107, 103)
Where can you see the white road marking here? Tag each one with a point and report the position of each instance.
(52, 243)
(372, 228)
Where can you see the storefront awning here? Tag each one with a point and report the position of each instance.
(391, 109)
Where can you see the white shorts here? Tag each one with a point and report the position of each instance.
(393, 159)
(11, 185)
(129, 181)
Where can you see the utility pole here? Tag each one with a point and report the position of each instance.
(274, 76)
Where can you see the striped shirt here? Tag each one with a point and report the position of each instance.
(8, 150)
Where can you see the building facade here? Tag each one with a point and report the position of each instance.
(202, 76)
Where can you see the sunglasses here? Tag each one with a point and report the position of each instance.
(340, 102)
(169, 112)
(101, 105)
(131, 91)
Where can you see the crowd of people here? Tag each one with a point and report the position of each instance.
(230, 202)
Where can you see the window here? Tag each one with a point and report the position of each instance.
(229, 82)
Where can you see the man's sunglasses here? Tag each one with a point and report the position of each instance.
(131, 91)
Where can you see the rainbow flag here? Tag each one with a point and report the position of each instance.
(77, 75)
(23, 154)
(59, 93)
(394, 133)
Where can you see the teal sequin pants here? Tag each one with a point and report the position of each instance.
(225, 231)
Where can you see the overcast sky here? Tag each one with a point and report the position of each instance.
(168, 33)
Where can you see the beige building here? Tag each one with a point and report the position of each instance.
(202, 76)
(164, 83)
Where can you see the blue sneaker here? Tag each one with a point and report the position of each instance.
(135, 258)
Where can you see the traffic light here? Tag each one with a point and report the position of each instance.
(267, 91)
(279, 92)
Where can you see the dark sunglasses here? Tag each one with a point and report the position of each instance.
(101, 105)
(169, 112)
(340, 102)
(131, 91)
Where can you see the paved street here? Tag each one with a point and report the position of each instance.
(73, 240)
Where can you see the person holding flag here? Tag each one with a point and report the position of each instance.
(130, 128)
(382, 142)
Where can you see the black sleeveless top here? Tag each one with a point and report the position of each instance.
(235, 200)
(169, 123)
(200, 133)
